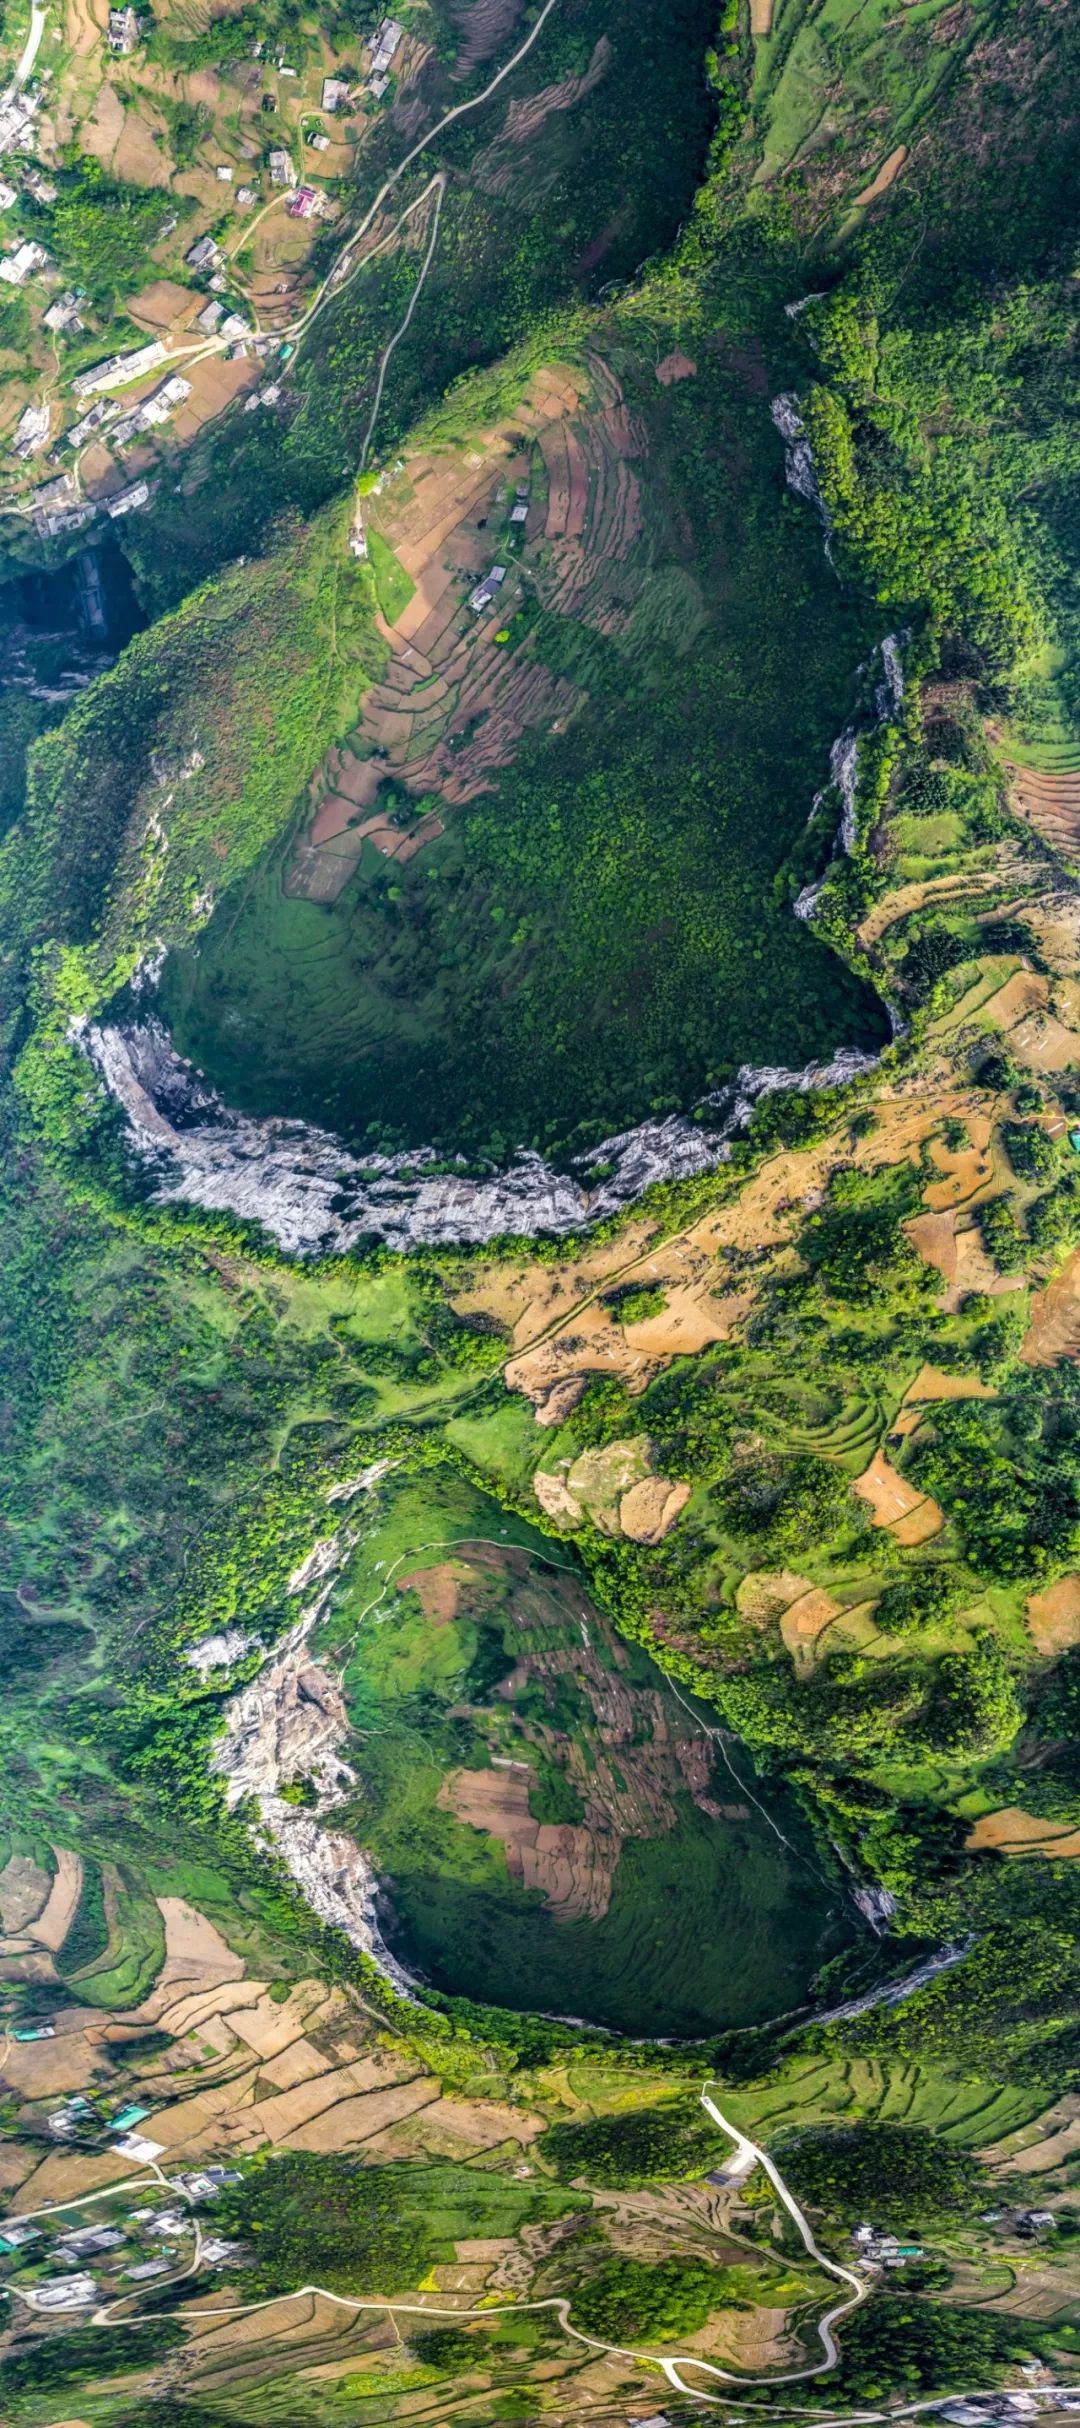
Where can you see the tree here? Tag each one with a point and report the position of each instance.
(896, 2175)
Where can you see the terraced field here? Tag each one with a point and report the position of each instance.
(814, 2091)
(565, 810)
(1042, 753)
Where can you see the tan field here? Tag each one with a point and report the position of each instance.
(54, 1922)
(1022, 1010)
(353, 2122)
(1055, 1318)
(195, 1955)
(438, 1590)
(1016, 1832)
(1053, 1616)
(803, 1623)
(911, 1516)
(932, 1383)
(965, 1172)
(649, 1510)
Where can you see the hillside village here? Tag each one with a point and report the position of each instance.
(103, 377)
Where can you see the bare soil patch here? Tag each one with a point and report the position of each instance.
(485, 24)
(286, 2112)
(964, 1171)
(1053, 1616)
(164, 304)
(910, 1516)
(1016, 1832)
(690, 1322)
(39, 2068)
(1054, 1332)
(1049, 803)
(886, 176)
(803, 1622)
(598, 1479)
(300, 2062)
(196, 1957)
(101, 131)
(54, 1922)
(268, 2026)
(85, 26)
(215, 384)
(932, 1383)
(649, 1510)
(352, 2122)
(137, 157)
(24, 1890)
(1022, 1010)
(572, 1870)
(676, 365)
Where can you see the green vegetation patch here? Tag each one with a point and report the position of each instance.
(644, 2146)
(365, 2229)
(85, 2353)
(896, 2343)
(896, 2174)
(643, 2300)
(393, 586)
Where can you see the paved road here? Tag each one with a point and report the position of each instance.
(748, 2154)
(30, 50)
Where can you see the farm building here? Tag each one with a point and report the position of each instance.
(17, 267)
(202, 254)
(117, 369)
(486, 590)
(123, 30)
(31, 431)
(64, 314)
(386, 43)
(126, 501)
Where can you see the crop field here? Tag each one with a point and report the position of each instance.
(811, 2091)
(892, 67)
(606, 901)
(542, 1814)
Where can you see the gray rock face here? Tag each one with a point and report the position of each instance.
(318, 1199)
(218, 1652)
(288, 1726)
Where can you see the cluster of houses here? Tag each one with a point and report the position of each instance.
(384, 47)
(153, 411)
(117, 369)
(27, 259)
(383, 44)
(156, 2232)
(1008, 2410)
(18, 111)
(879, 2250)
